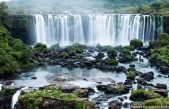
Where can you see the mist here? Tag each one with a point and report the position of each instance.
(74, 6)
(54, 6)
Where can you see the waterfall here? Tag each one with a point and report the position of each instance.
(16, 96)
(1, 86)
(93, 29)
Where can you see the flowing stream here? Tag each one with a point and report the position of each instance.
(83, 78)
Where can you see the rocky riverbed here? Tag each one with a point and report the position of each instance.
(108, 78)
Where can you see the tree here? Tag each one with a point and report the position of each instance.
(3, 11)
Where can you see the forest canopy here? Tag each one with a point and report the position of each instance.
(91, 6)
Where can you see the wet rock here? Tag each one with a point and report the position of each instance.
(115, 105)
(128, 82)
(68, 88)
(131, 69)
(161, 86)
(147, 76)
(164, 70)
(162, 92)
(91, 90)
(82, 93)
(150, 84)
(121, 99)
(125, 97)
(6, 95)
(139, 86)
(141, 81)
(102, 87)
(60, 78)
(159, 76)
(132, 66)
(120, 69)
(34, 77)
(126, 105)
(117, 89)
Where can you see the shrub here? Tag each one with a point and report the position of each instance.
(100, 55)
(112, 53)
(141, 95)
(136, 43)
(131, 75)
(14, 54)
(39, 47)
(34, 99)
(112, 61)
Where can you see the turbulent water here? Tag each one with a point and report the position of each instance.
(16, 96)
(93, 29)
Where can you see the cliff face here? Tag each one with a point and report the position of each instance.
(166, 24)
(21, 27)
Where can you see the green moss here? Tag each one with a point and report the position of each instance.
(100, 55)
(117, 90)
(160, 54)
(136, 43)
(141, 95)
(131, 75)
(111, 53)
(34, 98)
(158, 103)
(112, 61)
(39, 47)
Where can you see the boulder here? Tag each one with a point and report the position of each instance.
(102, 87)
(161, 86)
(68, 88)
(34, 77)
(147, 76)
(162, 92)
(120, 69)
(164, 70)
(132, 66)
(115, 105)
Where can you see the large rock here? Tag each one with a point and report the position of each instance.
(84, 93)
(102, 87)
(115, 105)
(164, 70)
(162, 92)
(68, 88)
(161, 86)
(147, 76)
(120, 69)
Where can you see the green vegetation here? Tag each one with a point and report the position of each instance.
(158, 103)
(100, 55)
(111, 53)
(39, 47)
(141, 95)
(153, 7)
(14, 54)
(120, 89)
(126, 54)
(136, 43)
(160, 49)
(3, 12)
(34, 99)
(160, 54)
(131, 75)
(112, 61)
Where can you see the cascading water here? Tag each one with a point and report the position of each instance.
(15, 97)
(1, 87)
(93, 29)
